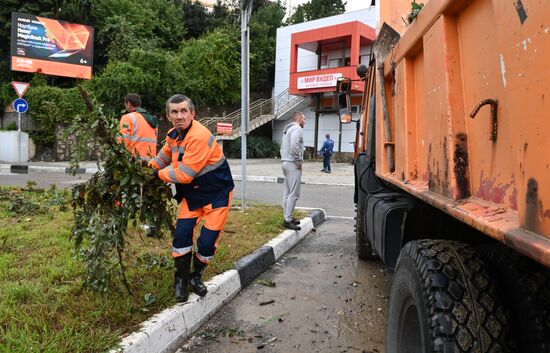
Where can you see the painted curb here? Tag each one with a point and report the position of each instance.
(25, 169)
(250, 266)
(19, 169)
(40, 168)
(165, 331)
(267, 179)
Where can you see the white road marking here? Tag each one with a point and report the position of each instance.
(339, 217)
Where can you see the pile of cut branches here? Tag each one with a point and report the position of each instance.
(122, 192)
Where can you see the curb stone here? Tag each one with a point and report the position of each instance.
(25, 169)
(165, 331)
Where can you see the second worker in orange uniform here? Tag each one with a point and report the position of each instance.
(192, 159)
(138, 129)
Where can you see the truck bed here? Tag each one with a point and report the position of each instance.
(492, 173)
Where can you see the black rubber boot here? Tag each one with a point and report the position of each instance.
(181, 277)
(196, 282)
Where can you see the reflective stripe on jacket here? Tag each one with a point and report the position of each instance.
(195, 162)
(138, 136)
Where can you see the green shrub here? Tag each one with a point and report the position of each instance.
(257, 147)
(52, 106)
(10, 127)
(31, 200)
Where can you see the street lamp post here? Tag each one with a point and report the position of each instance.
(246, 11)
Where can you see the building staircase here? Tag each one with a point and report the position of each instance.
(261, 112)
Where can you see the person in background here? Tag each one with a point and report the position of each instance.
(326, 152)
(139, 132)
(192, 159)
(292, 157)
(139, 129)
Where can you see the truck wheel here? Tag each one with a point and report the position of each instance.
(362, 244)
(444, 300)
(525, 286)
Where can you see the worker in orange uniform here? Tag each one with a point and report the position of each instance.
(138, 129)
(192, 159)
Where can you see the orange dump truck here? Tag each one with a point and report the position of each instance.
(453, 173)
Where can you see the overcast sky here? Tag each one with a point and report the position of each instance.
(351, 5)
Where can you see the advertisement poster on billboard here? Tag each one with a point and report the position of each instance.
(52, 47)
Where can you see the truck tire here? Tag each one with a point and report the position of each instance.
(525, 286)
(444, 300)
(362, 244)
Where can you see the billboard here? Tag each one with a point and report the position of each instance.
(52, 47)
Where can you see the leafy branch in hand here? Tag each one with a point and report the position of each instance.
(123, 191)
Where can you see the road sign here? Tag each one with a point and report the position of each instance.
(20, 87)
(20, 105)
(224, 128)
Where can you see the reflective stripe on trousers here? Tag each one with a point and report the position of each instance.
(214, 215)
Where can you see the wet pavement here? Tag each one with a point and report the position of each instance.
(316, 298)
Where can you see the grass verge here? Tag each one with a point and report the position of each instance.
(43, 306)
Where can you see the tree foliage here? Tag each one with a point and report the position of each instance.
(210, 67)
(123, 190)
(152, 73)
(317, 9)
(196, 18)
(125, 25)
(263, 28)
(52, 106)
(151, 47)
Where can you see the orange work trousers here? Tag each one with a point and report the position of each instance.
(214, 215)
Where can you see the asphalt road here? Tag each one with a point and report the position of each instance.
(335, 200)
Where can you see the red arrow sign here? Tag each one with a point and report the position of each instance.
(20, 87)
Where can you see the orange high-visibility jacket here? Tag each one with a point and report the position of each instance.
(138, 136)
(195, 162)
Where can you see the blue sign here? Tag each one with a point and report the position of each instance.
(20, 105)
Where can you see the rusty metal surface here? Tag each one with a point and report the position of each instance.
(500, 223)
(494, 122)
(452, 57)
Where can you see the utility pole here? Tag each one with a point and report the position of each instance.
(246, 11)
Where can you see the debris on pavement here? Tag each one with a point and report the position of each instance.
(266, 282)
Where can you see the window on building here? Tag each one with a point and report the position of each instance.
(364, 59)
(335, 63)
(324, 62)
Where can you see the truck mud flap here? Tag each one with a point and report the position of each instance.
(384, 217)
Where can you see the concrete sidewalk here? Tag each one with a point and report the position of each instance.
(263, 170)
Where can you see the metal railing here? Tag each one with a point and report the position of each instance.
(272, 107)
(285, 101)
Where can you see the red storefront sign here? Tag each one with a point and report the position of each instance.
(224, 128)
(326, 80)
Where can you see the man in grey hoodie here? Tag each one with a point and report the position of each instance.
(292, 156)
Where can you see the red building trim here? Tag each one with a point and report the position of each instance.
(359, 34)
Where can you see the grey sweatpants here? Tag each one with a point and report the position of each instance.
(293, 178)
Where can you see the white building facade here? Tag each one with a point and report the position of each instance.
(310, 56)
